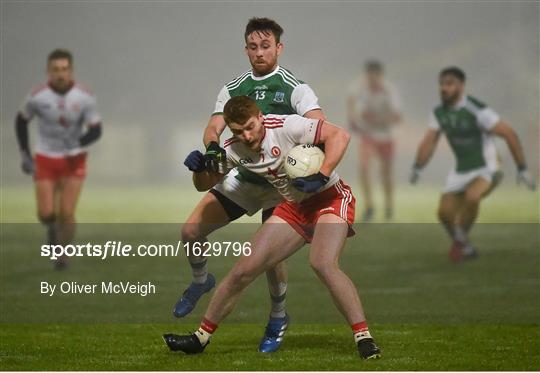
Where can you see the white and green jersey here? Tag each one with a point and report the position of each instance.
(467, 126)
(278, 92)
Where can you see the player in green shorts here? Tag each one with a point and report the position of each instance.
(470, 127)
(276, 91)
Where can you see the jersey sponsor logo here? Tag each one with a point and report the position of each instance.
(263, 87)
(279, 96)
(276, 151)
(246, 160)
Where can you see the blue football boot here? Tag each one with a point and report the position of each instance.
(191, 296)
(273, 334)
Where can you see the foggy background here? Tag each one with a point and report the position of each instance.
(156, 69)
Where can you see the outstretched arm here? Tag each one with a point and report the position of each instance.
(424, 153)
(426, 148)
(504, 130)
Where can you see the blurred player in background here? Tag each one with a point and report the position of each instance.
(373, 110)
(470, 127)
(318, 209)
(276, 90)
(68, 122)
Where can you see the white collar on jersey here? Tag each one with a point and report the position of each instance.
(264, 76)
(461, 102)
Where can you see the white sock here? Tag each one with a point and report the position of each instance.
(460, 234)
(279, 304)
(361, 335)
(198, 269)
(203, 336)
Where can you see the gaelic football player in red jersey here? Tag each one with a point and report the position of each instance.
(68, 122)
(318, 209)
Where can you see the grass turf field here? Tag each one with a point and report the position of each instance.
(426, 313)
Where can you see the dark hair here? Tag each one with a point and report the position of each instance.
(239, 109)
(265, 26)
(453, 71)
(60, 54)
(374, 66)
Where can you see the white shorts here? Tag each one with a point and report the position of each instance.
(251, 197)
(458, 182)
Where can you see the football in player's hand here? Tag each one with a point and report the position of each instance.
(303, 160)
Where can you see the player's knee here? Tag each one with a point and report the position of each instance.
(444, 213)
(190, 232)
(322, 268)
(242, 276)
(46, 217)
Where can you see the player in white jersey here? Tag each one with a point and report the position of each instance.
(68, 122)
(374, 108)
(318, 209)
(278, 91)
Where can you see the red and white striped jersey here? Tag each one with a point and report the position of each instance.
(61, 118)
(281, 134)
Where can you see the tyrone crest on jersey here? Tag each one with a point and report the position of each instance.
(275, 151)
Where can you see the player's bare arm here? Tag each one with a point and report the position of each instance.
(426, 148)
(215, 127)
(315, 114)
(205, 180)
(21, 129)
(503, 129)
(424, 153)
(335, 140)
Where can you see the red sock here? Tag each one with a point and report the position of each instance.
(359, 327)
(360, 331)
(208, 326)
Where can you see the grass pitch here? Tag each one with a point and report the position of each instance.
(425, 312)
